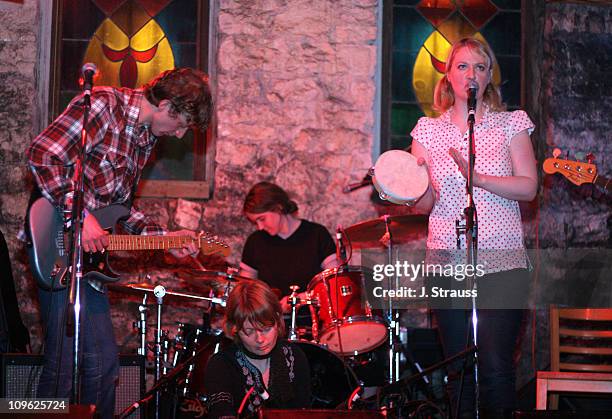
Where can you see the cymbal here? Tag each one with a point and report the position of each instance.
(151, 288)
(403, 228)
(212, 279)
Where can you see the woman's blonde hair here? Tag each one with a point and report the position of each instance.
(252, 300)
(444, 97)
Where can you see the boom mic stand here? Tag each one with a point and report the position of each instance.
(76, 236)
(471, 235)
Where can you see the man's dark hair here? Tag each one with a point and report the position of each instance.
(189, 92)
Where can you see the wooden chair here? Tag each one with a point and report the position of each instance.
(580, 352)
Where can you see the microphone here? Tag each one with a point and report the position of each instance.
(471, 102)
(88, 71)
(87, 74)
(367, 180)
(340, 248)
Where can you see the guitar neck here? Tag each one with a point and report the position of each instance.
(136, 242)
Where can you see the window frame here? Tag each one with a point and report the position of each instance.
(201, 185)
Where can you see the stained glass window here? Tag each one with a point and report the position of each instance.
(130, 42)
(418, 35)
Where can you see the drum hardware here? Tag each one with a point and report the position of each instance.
(293, 300)
(341, 254)
(150, 288)
(191, 365)
(180, 344)
(332, 312)
(165, 345)
(141, 326)
(342, 323)
(159, 291)
(161, 345)
(388, 231)
(402, 386)
(164, 382)
(392, 315)
(313, 315)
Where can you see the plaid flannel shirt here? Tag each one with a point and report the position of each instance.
(117, 151)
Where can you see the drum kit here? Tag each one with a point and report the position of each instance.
(345, 331)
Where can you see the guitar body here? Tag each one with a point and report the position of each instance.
(50, 250)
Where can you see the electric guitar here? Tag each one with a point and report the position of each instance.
(576, 172)
(50, 250)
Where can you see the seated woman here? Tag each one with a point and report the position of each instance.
(285, 250)
(259, 368)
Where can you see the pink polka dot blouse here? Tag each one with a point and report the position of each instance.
(500, 234)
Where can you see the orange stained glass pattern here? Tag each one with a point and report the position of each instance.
(435, 11)
(130, 49)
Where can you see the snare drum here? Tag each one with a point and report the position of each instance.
(398, 178)
(344, 319)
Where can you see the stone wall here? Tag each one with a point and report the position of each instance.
(19, 27)
(295, 105)
(576, 105)
(568, 63)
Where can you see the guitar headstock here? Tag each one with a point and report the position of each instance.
(210, 245)
(576, 172)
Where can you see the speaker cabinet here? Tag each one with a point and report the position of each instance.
(21, 373)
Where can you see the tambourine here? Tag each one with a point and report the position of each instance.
(398, 178)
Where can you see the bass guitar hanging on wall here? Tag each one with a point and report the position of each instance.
(576, 172)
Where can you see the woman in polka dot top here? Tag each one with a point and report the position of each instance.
(504, 173)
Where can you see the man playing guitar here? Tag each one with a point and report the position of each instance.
(122, 131)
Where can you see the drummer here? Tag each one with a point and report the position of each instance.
(285, 250)
(259, 368)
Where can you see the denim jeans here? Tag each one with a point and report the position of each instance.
(498, 331)
(99, 359)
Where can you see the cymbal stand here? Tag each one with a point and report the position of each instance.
(191, 365)
(141, 325)
(392, 315)
(159, 292)
(165, 345)
(180, 344)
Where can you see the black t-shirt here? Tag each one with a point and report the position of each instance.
(291, 261)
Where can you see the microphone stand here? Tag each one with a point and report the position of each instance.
(471, 237)
(76, 252)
